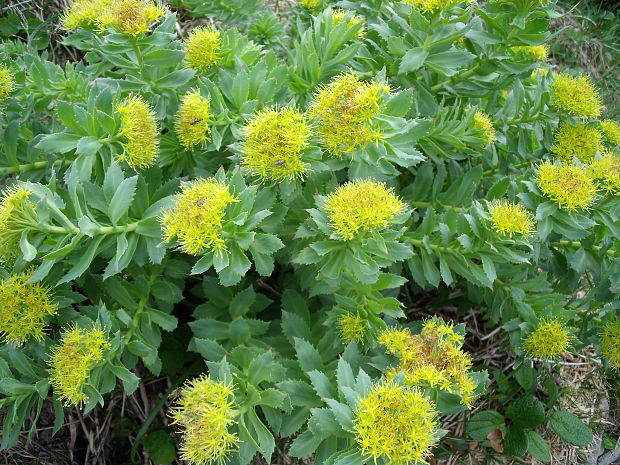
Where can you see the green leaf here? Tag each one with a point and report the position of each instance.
(482, 423)
(538, 447)
(165, 321)
(526, 412)
(304, 445)
(84, 262)
(88, 145)
(29, 252)
(412, 60)
(176, 79)
(571, 429)
(129, 379)
(515, 442)
(308, 357)
(59, 143)
(122, 199)
(160, 447)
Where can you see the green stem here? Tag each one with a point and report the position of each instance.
(525, 164)
(103, 230)
(579, 245)
(27, 167)
(456, 78)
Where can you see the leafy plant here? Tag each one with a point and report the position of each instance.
(273, 193)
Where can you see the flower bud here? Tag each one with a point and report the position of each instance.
(141, 131)
(576, 95)
(192, 120)
(550, 339)
(396, 423)
(72, 360)
(25, 305)
(273, 144)
(205, 412)
(361, 206)
(196, 218)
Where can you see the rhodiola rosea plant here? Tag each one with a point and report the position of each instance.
(266, 193)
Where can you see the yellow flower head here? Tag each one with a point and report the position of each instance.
(509, 218)
(352, 327)
(17, 213)
(548, 341)
(483, 123)
(430, 6)
(610, 343)
(311, 4)
(339, 15)
(539, 72)
(611, 131)
(7, 82)
(192, 120)
(580, 141)
(84, 13)
(205, 411)
(204, 48)
(141, 131)
(131, 17)
(571, 186)
(273, 144)
(576, 95)
(24, 308)
(396, 423)
(607, 171)
(346, 109)
(531, 52)
(72, 360)
(361, 206)
(196, 218)
(432, 358)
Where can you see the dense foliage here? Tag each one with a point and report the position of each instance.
(273, 192)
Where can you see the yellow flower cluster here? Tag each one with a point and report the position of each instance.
(607, 170)
(539, 71)
(17, 213)
(205, 411)
(7, 82)
(396, 423)
(192, 120)
(483, 123)
(204, 48)
(571, 186)
(430, 6)
(509, 218)
(352, 327)
(345, 109)
(432, 358)
(311, 4)
(361, 206)
(196, 218)
(548, 341)
(84, 13)
(141, 131)
(580, 141)
(611, 131)
(576, 95)
(339, 15)
(273, 144)
(531, 52)
(610, 343)
(131, 17)
(128, 16)
(72, 360)
(25, 305)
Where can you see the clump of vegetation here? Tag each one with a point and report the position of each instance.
(289, 214)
